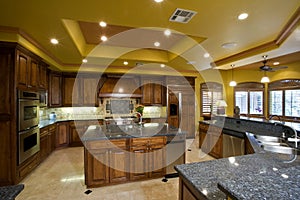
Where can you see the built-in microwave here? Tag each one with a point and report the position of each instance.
(28, 110)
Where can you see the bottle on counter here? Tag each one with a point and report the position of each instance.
(52, 116)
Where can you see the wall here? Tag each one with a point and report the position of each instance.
(292, 72)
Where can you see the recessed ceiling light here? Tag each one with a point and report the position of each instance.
(103, 38)
(229, 45)
(157, 44)
(276, 63)
(54, 41)
(84, 60)
(167, 32)
(162, 65)
(158, 1)
(102, 24)
(206, 55)
(243, 16)
(125, 63)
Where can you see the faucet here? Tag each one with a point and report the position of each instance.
(140, 116)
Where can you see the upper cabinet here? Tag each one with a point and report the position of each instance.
(55, 83)
(80, 90)
(31, 72)
(153, 90)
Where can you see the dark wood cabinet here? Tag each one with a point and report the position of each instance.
(72, 91)
(106, 162)
(55, 88)
(44, 143)
(52, 137)
(62, 134)
(147, 158)
(153, 90)
(42, 76)
(30, 71)
(90, 91)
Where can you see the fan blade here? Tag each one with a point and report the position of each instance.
(278, 68)
(265, 68)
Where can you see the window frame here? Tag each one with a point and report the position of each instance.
(212, 87)
(283, 85)
(250, 87)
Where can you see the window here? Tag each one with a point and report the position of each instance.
(284, 98)
(249, 98)
(210, 93)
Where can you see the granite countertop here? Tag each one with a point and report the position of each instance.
(101, 132)
(262, 175)
(47, 122)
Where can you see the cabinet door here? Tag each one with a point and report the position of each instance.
(23, 62)
(32, 74)
(139, 163)
(55, 82)
(157, 92)
(147, 92)
(42, 76)
(118, 169)
(44, 144)
(75, 134)
(96, 171)
(188, 114)
(157, 160)
(90, 91)
(71, 91)
(62, 134)
(52, 138)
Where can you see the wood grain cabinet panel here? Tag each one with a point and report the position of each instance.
(22, 67)
(90, 91)
(72, 91)
(154, 92)
(62, 134)
(55, 88)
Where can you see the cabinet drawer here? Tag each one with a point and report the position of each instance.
(147, 141)
(28, 167)
(106, 144)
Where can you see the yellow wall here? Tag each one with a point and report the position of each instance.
(292, 72)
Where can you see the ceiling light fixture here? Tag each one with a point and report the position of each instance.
(206, 55)
(158, 1)
(102, 24)
(167, 32)
(232, 83)
(125, 63)
(54, 41)
(103, 38)
(162, 65)
(84, 60)
(265, 78)
(243, 16)
(229, 45)
(276, 63)
(157, 44)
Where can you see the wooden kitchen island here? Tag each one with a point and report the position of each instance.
(128, 153)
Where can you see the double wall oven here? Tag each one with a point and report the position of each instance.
(28, 121)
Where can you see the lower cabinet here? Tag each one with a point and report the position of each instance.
(123, 160)
(47, 141)
(28, 166)
(62, 134)
(147, 157)
(210, 140)
(106, 162)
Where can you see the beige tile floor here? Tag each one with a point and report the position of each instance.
(60, 176)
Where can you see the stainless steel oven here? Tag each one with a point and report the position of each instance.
(29, 143)
(28, 109)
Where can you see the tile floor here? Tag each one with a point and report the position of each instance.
(60, 176)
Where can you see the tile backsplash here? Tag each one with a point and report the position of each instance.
(103, 110)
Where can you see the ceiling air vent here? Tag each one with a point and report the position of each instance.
(182, 16)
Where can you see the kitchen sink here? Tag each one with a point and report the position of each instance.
(281, 149)
(266, 138)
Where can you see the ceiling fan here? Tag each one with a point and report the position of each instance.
(268, 68)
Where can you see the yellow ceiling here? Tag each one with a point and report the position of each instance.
(214, 24)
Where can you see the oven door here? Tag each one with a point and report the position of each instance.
(28, 114)
(29, 143)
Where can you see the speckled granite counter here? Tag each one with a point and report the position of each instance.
(44, 123)
(100, 132)
(10, 192)
(245, 177)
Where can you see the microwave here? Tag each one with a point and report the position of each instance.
(43, 99)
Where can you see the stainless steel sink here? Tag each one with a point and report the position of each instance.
(273, 143)
(281, 149)
(266, 138)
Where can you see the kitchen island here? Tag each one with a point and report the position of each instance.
(262, 175)
(128, 152)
